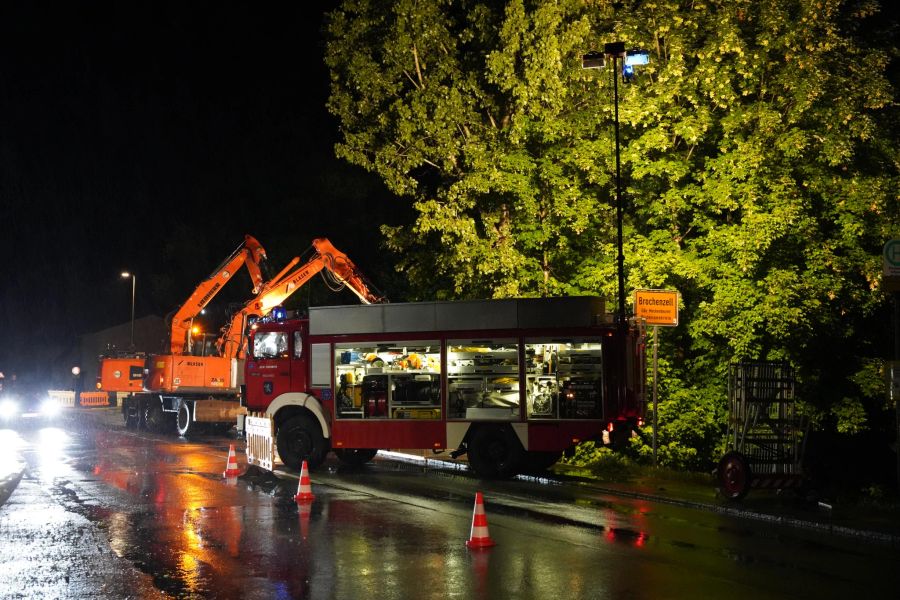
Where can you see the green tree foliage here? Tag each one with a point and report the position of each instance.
(758, 154)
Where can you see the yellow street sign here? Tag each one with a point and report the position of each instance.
(657, 307)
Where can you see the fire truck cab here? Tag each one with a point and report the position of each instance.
(510, 383)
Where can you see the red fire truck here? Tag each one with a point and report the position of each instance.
(510, 383)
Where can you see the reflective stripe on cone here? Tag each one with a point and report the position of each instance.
(231, 467)
(479, 537)
(304, 490)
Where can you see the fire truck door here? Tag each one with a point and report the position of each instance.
(269, 369)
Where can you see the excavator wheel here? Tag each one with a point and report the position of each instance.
(131, 413)
(155, 419)
(184, 424)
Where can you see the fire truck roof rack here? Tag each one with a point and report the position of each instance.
(467, 315)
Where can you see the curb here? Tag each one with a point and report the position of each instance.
(744, 513)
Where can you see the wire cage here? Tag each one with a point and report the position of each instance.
(766, 433)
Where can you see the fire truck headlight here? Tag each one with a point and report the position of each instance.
(9, 408)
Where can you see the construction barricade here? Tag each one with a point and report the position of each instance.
(93, 399)
(260, 432)
(64, 398)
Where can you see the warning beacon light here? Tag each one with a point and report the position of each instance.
(279, 313)
(637, 57)
(632, 58)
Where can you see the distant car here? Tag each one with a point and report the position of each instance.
(26, 405)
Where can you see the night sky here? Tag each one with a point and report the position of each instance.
(151, 138)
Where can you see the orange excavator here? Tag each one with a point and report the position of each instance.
(125, 372)
(205, 389)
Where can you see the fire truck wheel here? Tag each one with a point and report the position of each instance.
(300, 438)
(494, 452)
(355, 456)
(734, 476)
(183, 423)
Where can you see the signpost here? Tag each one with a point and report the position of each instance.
(660, 309)
(892, 258)
(891, 264)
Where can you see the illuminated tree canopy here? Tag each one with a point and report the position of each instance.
(759, 160)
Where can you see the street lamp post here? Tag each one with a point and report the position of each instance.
(126, 275)
(617, 50)
(596, 60)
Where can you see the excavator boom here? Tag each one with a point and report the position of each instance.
(281, 287)
(250, 254)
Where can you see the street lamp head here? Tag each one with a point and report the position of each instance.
(593, 60)
(126, 274)
(633, 58)
(637, 57)
(614, 49)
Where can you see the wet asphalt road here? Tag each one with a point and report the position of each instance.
(101, 512)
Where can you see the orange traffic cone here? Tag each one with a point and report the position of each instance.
(231, 469)
(304, 490)
(479, 538)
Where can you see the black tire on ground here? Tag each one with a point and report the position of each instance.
(183, 423)
(130, 413)
(734, 476)
(300, 438)
(154, 417)
(494, 451)
(355, 456)
(538, 462)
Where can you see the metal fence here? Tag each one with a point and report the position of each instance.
(764, 424)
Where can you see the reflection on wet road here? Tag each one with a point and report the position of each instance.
(152, 514)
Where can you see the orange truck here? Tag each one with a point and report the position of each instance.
(205, 390)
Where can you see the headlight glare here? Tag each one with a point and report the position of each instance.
(9, 408)
(49, 407)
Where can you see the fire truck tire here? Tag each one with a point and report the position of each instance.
(183, 422)
(495, 452)
(734, 476)
(355, 456)
(300, 438)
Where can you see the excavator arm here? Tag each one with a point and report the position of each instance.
(283, 285)
(250, 254)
